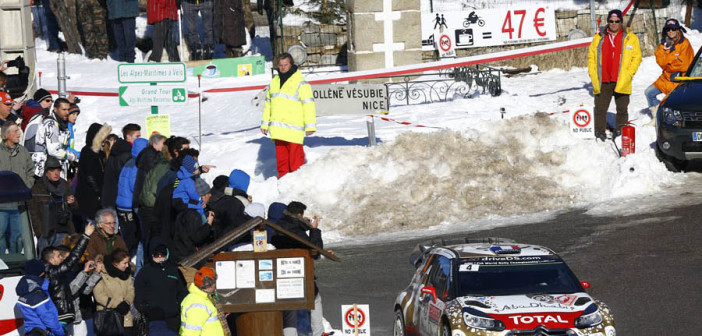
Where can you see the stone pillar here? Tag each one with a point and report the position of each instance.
(383, 33)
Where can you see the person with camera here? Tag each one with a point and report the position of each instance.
(51, 205)
(16, 84)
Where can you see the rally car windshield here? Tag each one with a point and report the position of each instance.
(493, 280)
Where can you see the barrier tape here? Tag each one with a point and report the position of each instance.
(105, 94)
(406, 123)
(552, 113)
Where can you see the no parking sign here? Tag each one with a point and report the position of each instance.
(355, 317)
(582, 123)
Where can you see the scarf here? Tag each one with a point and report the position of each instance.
(109, 241)
(116, 273)
(220, 313)
(55, 188)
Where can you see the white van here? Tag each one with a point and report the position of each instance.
(16, 247)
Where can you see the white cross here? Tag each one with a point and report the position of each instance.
(388, 46)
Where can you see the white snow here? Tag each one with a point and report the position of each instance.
(473, 171)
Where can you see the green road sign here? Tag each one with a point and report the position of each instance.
(151, 73)
(143, 95)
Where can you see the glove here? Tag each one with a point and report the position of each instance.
(123, 308)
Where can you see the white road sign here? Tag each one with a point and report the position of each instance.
(150, 95)
(151, 73)
(582, 123)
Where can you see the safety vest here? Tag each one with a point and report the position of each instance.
(198, 315)
(289, 111)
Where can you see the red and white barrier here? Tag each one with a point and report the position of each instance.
(406, 123)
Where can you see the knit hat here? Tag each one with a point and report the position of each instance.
(52, 163)
(34, 267)
(255, 210)
(73, 109)
(220, 182)
(616, 12)
(205, 277)
(6, 98)
(201, 186)
(41, 94)
(190, 164)
(673, 24)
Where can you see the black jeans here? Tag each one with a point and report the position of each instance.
(190, 11)
(602, 102)
(163, 38)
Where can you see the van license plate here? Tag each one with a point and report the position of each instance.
(696, 136)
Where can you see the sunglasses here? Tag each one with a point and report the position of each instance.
(612, 21)
(48, 100)
(7, 104)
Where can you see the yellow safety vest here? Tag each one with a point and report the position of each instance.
(289, 111)
(198, 315)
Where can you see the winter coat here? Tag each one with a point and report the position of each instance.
(185, 191)
(199, 315)
(36, 306)
(71, 140)
(166, 211)
(229, 213)
(52, 140)
(48, 210)
(18, 160)
(276, 211)
(115, 287)
(159, 10)
(190, 232)
(59, 288)
(92, 169)
(145, 161)
(118, 9)
(229, 22)
(128, 176)
(289, 110)
(677, 58)
(83, 284)
(160, 288)
(30, 109)
(628, 65)
(298, 227)
(12, 118)
(100, 244)
(149, 191)
(120, 153)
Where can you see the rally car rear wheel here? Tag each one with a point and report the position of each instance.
(399, 326)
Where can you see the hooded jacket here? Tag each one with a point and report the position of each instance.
(128, 176)
(120, 153)
(229, 213)
(199, 315)
(289, 109)
(30, 109)
(58, 286)
(52, 140)
(186, 192)
(149, 191)
(36, 305)
(628, 63)
(92, 170)
(160, 288)
(189, 233)
(17, 160)
(298, 227)
(677, 58)
(145, 161)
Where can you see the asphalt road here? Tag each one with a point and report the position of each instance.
(647, 267)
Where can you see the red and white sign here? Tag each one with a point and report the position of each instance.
(582, 123)
(355, 318)
(445, 44)
(489, 27)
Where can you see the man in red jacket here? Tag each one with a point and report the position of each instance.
(162, 14)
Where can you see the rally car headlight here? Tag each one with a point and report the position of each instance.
(672, 117)
(589, 320)
(480, 322)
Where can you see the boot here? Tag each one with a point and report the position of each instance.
(654, 111)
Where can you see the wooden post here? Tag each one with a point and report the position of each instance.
(260, 323)
(355, 319)
(688, 12)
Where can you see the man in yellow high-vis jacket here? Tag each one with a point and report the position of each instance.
(289, 115)
(199, 313)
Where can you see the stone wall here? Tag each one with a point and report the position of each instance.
(326, 43)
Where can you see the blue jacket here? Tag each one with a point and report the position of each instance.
(117, 9)
(71, 141)
(36, 306)
(186, 191)
(239, 180)
(127, 177)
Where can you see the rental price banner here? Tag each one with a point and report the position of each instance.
(490, 27)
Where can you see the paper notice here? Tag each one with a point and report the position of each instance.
(290, 288)
(265, 295)
(226, 274)
(290, 267)
(265, 265)
(245, 274)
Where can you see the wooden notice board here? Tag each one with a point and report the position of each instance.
(265, 281)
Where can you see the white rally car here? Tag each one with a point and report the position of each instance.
(496, 287)
(13, 197)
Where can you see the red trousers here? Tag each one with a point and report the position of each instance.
(290, 156)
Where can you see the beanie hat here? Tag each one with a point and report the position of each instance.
(616, 12)
(34, 267)
(52, 163)
(220, 182)
(190, 164)
(255, 210)
(41, 94)
(6, 98)
(73, 109)
(201, 186)
(205, 277)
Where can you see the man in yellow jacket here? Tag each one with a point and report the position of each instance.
(613, 58)
(199, 313)
(289, 115)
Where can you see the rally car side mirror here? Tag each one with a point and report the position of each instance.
(674, 77)
(585, 284)
(431, 291)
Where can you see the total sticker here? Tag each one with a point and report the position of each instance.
(468, 268)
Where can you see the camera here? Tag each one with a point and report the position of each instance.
(76, 100)
(16, 63)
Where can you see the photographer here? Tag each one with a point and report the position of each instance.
(51, 206)
(15, 85)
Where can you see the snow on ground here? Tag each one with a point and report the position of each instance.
(473, 171)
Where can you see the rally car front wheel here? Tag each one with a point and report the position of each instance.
(445, 329)
(399, 327)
